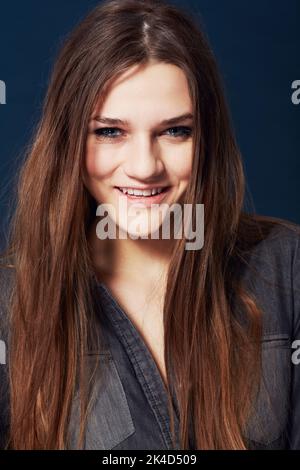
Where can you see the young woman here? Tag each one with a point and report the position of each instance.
(139, 343)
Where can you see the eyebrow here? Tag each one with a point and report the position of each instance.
(165, 122)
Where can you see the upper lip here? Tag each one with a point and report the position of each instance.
(143, 187)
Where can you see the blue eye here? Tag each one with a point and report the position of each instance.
(105, 132)
(109, 133)
(184, 131)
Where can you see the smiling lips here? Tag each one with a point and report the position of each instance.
(141, 191)
(147, 196)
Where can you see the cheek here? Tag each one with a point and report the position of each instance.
(98, 164)
(180, 163)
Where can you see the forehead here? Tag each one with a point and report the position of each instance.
(150, 92)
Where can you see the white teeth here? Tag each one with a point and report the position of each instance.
(145, 192)
(141, 192)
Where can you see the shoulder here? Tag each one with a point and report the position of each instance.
(279, 245)
(272, 273)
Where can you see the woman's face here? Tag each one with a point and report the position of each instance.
(131, 145)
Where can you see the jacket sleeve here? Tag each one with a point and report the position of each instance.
(294, 416)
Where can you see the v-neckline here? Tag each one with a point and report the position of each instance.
(147, 371)
(137, 333)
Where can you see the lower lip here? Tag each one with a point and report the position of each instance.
(146, 200)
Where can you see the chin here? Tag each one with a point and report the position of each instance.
(141, 232)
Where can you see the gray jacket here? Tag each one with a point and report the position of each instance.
(130, 409)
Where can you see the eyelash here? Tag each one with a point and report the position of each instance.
(186, 132)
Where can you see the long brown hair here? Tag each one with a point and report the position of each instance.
(212, 357)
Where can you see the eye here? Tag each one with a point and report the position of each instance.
(112, 133)
(180, 131)
(107, 132)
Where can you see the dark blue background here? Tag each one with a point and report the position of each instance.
(257, 46)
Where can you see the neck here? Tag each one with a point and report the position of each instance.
(143, 260)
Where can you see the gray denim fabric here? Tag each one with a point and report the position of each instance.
(131, 412)
(130, 408)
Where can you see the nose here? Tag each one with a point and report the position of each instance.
(143, 161)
